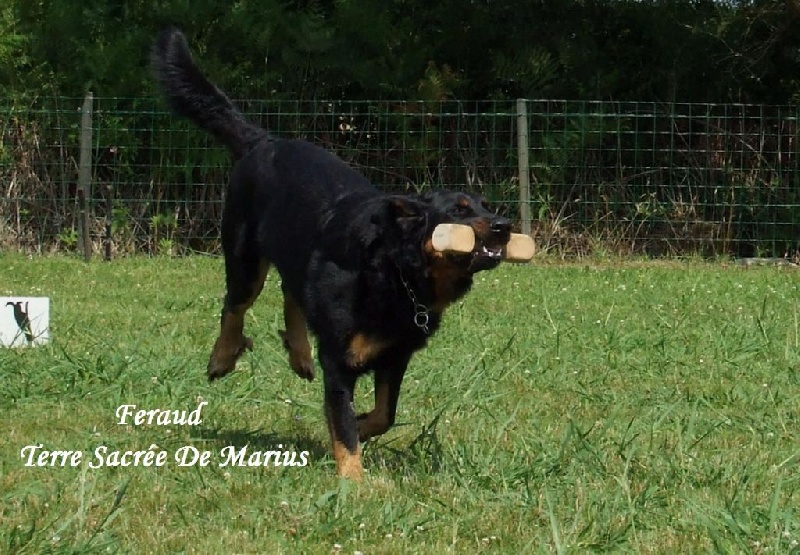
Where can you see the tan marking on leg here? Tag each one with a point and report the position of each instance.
(295, 338)
(232, 342)
(348, 464)
(375, 422)
(362, 349)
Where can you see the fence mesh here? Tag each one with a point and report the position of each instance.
(631, 177)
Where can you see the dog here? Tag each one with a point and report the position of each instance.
(357, 266)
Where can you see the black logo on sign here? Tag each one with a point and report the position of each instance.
(22, 319)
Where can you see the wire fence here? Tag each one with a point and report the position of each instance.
(644, 178)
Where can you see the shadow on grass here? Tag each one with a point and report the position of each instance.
(424, 453)
(261, 441)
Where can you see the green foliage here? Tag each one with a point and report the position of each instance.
(438, 83)
(420, 55)
(530, 71)
(13, 57)
(162, 227)
(598, 49)
(68, 239)
(121, 223)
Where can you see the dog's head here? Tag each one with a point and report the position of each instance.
(492, 232)
(399, 234)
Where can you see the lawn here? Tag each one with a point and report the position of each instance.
(640, 407)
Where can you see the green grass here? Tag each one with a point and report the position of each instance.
(650, 408)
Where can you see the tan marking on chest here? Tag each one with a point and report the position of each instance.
(444, 275)
(363, 349)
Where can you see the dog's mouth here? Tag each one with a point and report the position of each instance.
(490, 243)
(491, 238)
(486, 256)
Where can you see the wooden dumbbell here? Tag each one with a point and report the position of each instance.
(520, 248)
(461, 238)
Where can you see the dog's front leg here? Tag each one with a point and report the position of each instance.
(339, 386)
(388, 378)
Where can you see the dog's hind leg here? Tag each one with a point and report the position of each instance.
(245, 280)
(295, 338)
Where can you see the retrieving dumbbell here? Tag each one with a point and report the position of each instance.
(461, 238)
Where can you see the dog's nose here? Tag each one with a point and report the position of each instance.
(500, 225)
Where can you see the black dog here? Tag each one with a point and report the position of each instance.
(358, 267)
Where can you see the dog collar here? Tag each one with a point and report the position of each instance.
(422, 315)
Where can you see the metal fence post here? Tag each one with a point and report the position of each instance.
(85, 175)
(523, 166)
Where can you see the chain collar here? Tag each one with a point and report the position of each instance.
(422, 315)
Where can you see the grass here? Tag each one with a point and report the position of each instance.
(650, 408)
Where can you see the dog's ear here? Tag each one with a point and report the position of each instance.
(397, 227)
(405, 213)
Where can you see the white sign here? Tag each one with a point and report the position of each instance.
(24, 321)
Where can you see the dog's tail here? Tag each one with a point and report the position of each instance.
(190, 94)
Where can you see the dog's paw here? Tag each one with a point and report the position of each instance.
(371, 424)
(215, 370)
(299, 359)
(303, 368)
(224, 356)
